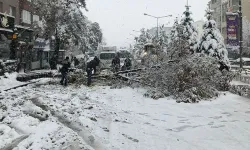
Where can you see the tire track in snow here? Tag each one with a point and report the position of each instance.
(76, 127)
(15, 143)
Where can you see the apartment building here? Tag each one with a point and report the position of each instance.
(21, 10)
(221, 7)
(10, 7)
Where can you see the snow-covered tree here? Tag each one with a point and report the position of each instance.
(161, 41)
(178, 46)
(212, 42)
(64, 20)
(96, 36)
(189, 30)
(174, 32)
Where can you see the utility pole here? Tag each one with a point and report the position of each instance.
(241, 34)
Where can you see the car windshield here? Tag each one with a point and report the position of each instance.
(107, 56)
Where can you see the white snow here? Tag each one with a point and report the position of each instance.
(124, 119)
(9, 82)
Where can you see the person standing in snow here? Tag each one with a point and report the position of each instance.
(76, 62)
(116, 63)
(90, 67)
(127, 63)
(97, 63)
(64, 71)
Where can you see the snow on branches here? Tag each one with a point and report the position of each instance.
(65, 19)
(212, 42)
(185, 74)
(190, 32)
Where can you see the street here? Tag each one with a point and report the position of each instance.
(46, 115)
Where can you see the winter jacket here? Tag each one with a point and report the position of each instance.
(66, 66)
(116, 61)
(128, 62)
(97, 61)
(91, 65)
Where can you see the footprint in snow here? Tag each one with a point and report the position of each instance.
(216, 117)
(130, 138)
(210, 123)
(219, 126)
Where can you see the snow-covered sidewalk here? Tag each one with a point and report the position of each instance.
(9, 82)
(54, 117)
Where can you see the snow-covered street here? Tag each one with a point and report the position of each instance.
(46, 115)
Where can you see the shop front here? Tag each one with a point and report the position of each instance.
(6, 35)
(40, 54)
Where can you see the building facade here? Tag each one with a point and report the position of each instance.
(221, 7)
(17, 39)
(10, 7)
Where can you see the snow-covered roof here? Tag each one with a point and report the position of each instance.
(23, 27)
(7, 15)
(4, 29)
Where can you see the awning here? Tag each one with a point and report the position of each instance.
(7, 30)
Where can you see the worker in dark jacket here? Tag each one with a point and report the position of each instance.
(90, 67)
(116, 63)
(64, 71)
(97, 63)
(127, 63)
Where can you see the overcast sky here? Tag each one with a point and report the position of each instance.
(118, 18)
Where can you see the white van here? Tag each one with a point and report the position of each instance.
(106, 58)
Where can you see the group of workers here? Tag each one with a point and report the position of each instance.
(91, 66)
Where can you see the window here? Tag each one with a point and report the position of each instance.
(107, 56)
(35, 18)
(13, 11)
(26, 17)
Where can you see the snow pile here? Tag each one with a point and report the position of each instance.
(7, 66)
(52, 135)
(29, 121)
(109, 120)
(8, 81)
(7, 135)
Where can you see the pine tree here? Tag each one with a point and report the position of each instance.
(174, 32)
(189, 30)
(212, 42)
(179, 45)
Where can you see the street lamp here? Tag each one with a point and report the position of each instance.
(157, 18)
